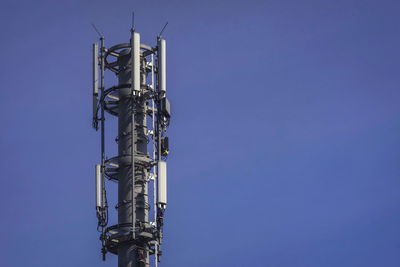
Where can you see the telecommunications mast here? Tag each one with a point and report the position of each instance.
(143, 111)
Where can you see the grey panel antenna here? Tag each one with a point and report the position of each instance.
(95, 79)
(98, 186)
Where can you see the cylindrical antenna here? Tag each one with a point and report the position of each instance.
(95, 80)
(162, 65)
(95, 70)
(135, 59)
(98, 187)
(162, 184)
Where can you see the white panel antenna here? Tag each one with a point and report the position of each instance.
(95, 79)
(135, 56)
(162, 183)
(162, 57)
(98, 186)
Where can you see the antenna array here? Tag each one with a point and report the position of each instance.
(143, 111)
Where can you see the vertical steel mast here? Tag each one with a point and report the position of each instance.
(143, 111)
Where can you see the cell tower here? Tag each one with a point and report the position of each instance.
(143, 111)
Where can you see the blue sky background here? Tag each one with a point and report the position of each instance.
(284, 139)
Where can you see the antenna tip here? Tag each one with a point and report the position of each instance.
(163, 29)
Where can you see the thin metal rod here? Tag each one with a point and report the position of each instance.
(163, 28)
(158, 93)
(154, 136)
(158, 131)
(133, 20)
(133, 171)
(98, 32)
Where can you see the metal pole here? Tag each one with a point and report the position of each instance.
(132, 184)
(103, 184)
(154, 157)
(158, 144)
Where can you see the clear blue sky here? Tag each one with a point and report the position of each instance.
(284, 139)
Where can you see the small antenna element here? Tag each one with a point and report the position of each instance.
(133, 20)
(163, 28)
(94, 27)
